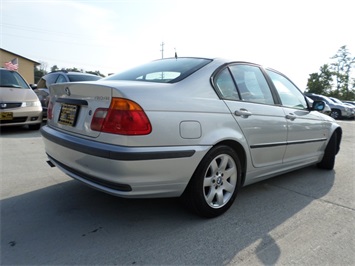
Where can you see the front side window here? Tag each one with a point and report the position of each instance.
(289, 94)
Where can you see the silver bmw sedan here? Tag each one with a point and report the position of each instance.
(195, 128)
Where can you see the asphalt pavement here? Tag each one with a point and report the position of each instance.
(306, 217)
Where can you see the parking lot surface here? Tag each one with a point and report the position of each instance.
(306, 217)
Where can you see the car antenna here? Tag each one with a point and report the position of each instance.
(175, 54)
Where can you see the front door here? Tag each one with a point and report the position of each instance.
(306, 133)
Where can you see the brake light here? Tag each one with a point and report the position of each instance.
(50, 110)
(123, 117)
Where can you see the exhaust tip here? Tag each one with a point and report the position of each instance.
(50, 164)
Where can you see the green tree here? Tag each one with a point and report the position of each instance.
(97, 73)
(73, 69)
(320, 83)
(342, 67)
(54, 68)
(40, 71)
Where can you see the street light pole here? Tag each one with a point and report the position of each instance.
(162, 50)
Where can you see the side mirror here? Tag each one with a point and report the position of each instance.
(33, 86)
(318, 106)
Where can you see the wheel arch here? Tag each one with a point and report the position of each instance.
(339, 133)
(336, 110)
(194, 196)
(238, 148)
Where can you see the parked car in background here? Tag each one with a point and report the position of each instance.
(352, 107)
(339, 110)
(192, 127)
(19, 105)
(327, 110)
(350, 102)
(41, 89)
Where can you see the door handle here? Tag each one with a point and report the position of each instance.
(242, 113)
(291, 117)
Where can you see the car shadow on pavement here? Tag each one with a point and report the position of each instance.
(70, 223)
(19, 132)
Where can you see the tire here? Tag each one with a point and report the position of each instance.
(336, 114)
(328, 160)
(34, 126)
(215, 183)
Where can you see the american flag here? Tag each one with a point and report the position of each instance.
(12, 65)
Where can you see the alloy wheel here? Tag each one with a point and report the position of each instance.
(220, 181)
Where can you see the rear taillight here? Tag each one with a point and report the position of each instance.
(50, 110)
(123, 117)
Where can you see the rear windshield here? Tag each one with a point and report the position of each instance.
(12, 79)
(169, 70)
(76, 78)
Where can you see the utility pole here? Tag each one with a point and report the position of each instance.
(162, 50)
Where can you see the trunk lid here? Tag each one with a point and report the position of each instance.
(73, 106)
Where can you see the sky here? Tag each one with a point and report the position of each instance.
(294, 37)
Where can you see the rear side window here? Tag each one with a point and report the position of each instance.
(225, 85)
(251, 84)
(243, 82)
(169, 70)
(61, 79)
(47, 80)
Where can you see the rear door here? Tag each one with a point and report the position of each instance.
(250, 100)
(306, 130)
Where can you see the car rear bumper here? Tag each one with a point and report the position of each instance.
(123, 171)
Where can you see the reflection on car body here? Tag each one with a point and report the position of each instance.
(202, 133)
(61, 76)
